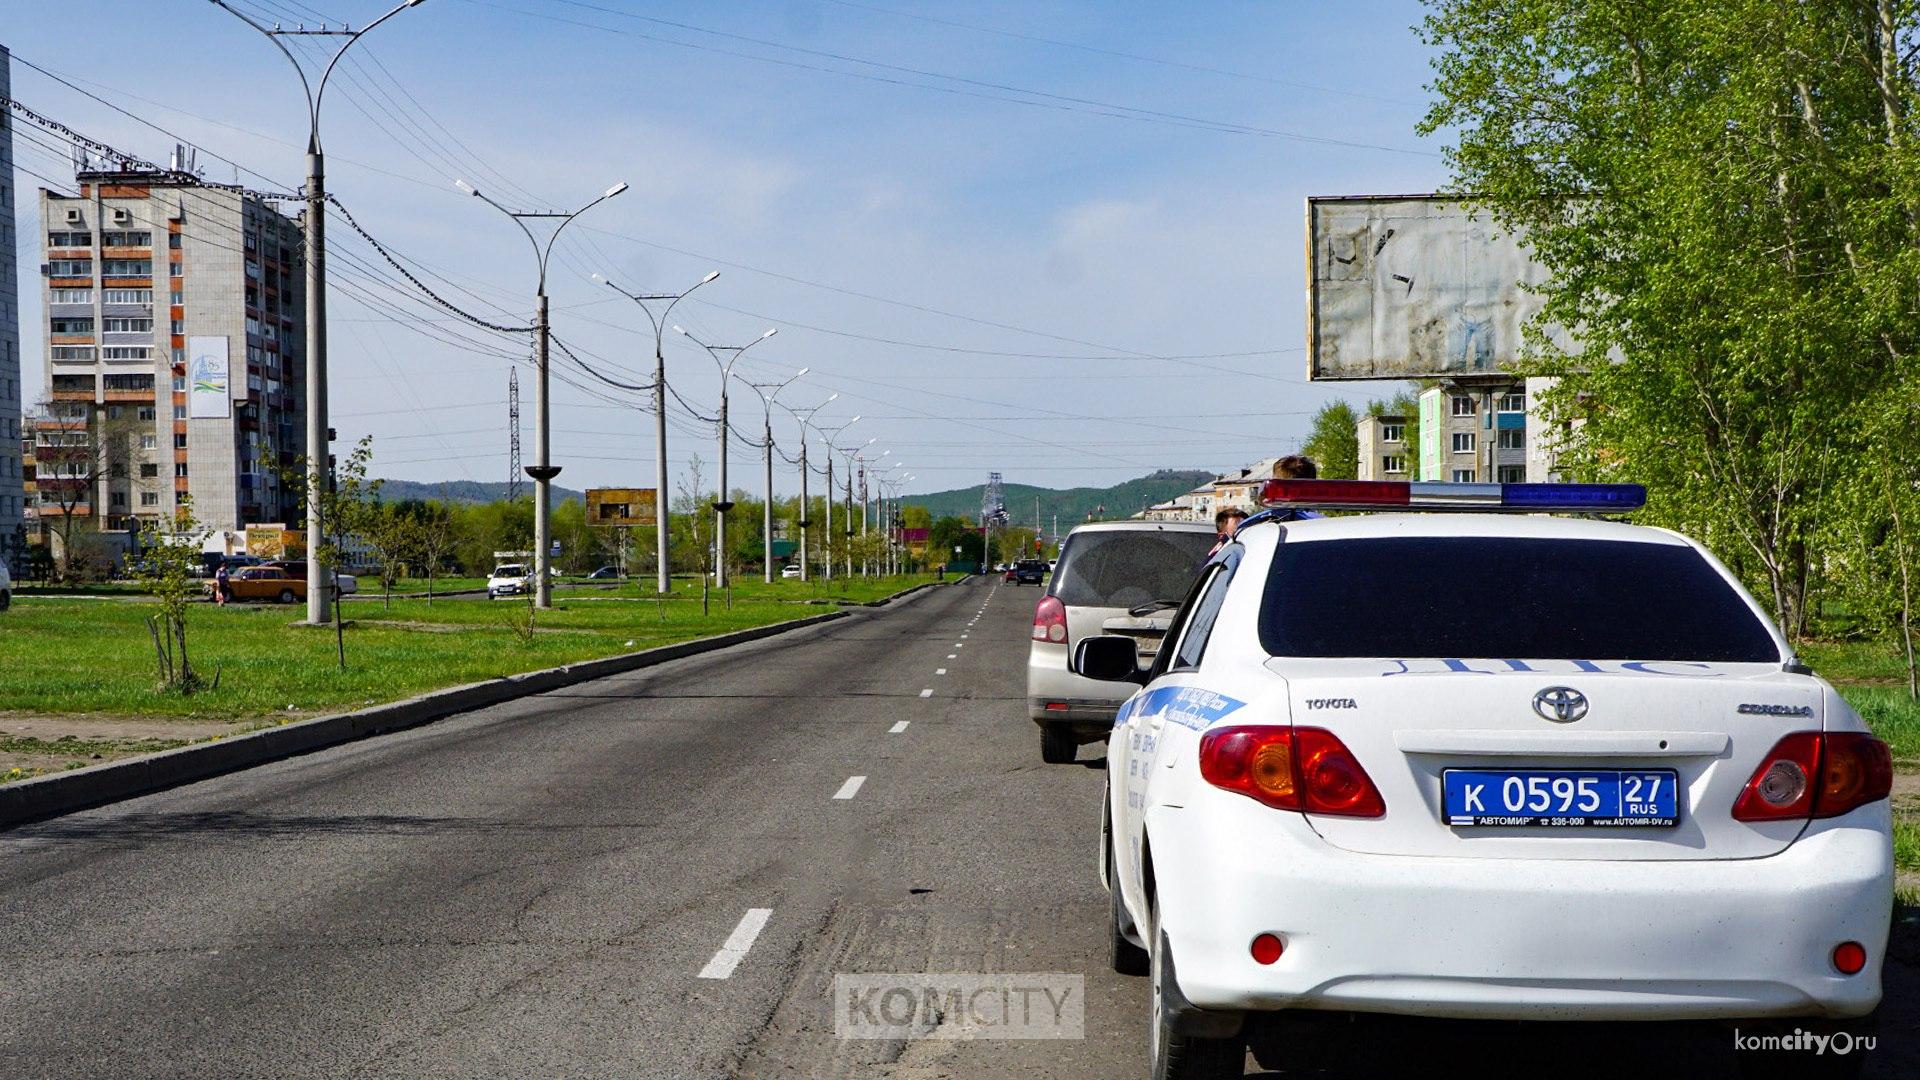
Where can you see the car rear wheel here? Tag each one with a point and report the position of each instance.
(1126, 957)
(1057, 744)
(286, 596)
(1171, 1053)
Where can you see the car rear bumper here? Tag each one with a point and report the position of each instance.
(1519, 938)
(1056, 695)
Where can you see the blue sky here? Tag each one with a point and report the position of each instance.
(943, 178)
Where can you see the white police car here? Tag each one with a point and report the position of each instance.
(1483, 766)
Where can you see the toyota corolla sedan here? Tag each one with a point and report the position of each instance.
(1510, 767)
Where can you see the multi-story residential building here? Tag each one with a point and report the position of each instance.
(1384, 453)
(13, 500)
(174, 323)
(1474, 433)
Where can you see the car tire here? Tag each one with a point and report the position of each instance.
(1126, 957)
(1172, 1054)
(6, 599)
(1057, 744)
(286, 596)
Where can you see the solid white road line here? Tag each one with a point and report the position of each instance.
(897, 728)
(851, 788)
(928, 692)
(737, 944)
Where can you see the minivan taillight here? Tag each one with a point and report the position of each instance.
(1290, 768)
(1810, 774)
(1050, 620)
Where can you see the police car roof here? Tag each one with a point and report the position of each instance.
(1440, 523)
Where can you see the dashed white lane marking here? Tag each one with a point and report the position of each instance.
(953, 656)
(898, 728)
(851, 788)
(928, 692)
(735, 948)
(957, 645)
(939, 671)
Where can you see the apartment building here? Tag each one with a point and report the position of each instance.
(1384, 453)
(174, 353)
(1474, 433)
(13, 500)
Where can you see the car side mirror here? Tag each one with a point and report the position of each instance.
(1109, 658)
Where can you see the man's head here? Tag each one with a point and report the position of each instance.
(1228, 519)
(1295, 467)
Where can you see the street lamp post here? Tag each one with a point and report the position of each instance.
(319, 600)
(768, 392)
(721, 503)
(543, 470)
(806, 504)
(661, 538)
(827, 435)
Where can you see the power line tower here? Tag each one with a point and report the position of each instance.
(513, 434)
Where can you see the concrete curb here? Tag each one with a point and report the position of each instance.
(63, 793)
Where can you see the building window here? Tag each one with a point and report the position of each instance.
(149, 471)
(1513, 438)
(1463, 405)
(126, 267)
(179, 412)
(1463, 476)
(126, 239)
(1513, 402)
(69, 296)
(176, 297)
(70, 326)
(128, 296)
(1463, 442)
(128, 352)
(179, 326)
(70, 268)
(127, 326)
(71, 352)
(1393, 433)
(149, 498)
(118, 498)
(149, 442)
(1393, 464)
(179, 383)
(73, 384)
(1513, 474)
(179, 440)
(146, 412)
(173, 241)
(69, 239)
(180, 468)
(130, 383)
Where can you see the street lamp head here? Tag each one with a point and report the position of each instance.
(801, 372)
(466, 187)
(770, 332)
(602, 279)
(711, 274)
(615, 190)
(678, 329)
(415, 3)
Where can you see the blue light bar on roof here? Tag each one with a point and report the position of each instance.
(1430, 495)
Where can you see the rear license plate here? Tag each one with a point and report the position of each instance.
(1561, 798)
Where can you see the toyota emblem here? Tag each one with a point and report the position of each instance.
(1560, 704)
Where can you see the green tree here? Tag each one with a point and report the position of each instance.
(1727, 201)
(1333, 443)
(170, 553)
(948, 533)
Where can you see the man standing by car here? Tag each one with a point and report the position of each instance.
(1225, 523)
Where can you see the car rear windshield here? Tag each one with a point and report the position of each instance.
(1124, 568)
(1509, 598)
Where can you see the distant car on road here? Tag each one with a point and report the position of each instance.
(606, 573)
(1029, 572)
(264, 583)
(790, 571)
(509, 579)
(1647, 809)
(1114, 577)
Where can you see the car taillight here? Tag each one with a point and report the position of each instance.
(1050, 620)
(1290, 768)
(1809, 774)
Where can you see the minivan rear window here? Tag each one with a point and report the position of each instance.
(1124, 568)
(1512, 598)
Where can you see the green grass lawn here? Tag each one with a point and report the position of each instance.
(1872, 676)
(95, 656)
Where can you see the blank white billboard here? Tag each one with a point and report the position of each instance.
(209, 379)
(1413, 286)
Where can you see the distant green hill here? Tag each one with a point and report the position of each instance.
(463, 491)
(1072, 505)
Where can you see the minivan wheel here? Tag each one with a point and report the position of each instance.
(1057, 744)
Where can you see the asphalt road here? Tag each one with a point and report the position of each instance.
(537, 888)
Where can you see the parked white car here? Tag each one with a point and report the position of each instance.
(509, 579)
(790, 571)
(1113, 577)
(1484, 766)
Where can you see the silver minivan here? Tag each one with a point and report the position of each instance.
(1113, 577)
